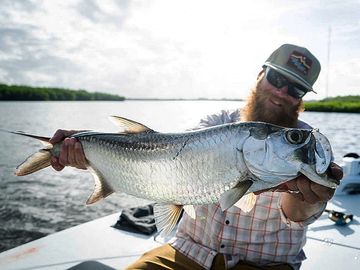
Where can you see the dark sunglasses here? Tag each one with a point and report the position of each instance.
(277, 80)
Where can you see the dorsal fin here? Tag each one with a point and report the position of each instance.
(130, 126)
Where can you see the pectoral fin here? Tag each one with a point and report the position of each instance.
(101, 190)
(230, 197)
(166, 217)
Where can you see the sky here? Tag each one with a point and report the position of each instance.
(174, 48)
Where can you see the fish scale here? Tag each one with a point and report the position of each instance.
(147, 167)
(224, 164)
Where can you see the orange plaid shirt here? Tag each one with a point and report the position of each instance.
(263, 236)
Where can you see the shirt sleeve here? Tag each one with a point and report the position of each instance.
(223, 117)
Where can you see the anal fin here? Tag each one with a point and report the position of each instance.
(101, 190)
(166, 217)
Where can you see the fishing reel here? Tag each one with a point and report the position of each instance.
(338, 217)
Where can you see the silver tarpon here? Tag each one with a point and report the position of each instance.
(179, 170)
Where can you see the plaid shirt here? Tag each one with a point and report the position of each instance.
(263, 236)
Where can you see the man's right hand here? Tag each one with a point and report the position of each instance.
(71, 152)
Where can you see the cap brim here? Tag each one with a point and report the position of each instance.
(291, 75)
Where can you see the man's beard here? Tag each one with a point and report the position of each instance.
(256, 109)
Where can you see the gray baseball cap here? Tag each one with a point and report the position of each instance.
(295, 63)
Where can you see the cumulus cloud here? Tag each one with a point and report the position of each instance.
(166, 48)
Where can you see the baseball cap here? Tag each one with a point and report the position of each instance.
(296, 63)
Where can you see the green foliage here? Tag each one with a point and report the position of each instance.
(343, 99)
(20, 92)
(349, 104)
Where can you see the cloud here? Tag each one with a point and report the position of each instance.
(165, 48)
(27, 58)
(108, 12)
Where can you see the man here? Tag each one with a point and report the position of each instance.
(272, 234)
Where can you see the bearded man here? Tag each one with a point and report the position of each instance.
(273, 233)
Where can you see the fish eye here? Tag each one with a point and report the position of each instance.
(294, 136)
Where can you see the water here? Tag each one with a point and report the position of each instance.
(48, 201)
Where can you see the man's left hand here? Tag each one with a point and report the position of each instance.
(307, 198)
(308, 191)
(312, 192)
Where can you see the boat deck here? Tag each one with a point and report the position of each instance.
(95, 240)
(329, 246)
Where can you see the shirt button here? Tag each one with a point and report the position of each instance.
(227, 222)
(222, 246)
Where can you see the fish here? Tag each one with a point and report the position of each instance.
(222, 164)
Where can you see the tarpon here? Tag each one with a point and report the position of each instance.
(218, 164)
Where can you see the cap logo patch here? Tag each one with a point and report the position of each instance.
(300, 62)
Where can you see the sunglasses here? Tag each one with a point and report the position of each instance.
(278, 80)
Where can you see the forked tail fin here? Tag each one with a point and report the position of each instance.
(36, 161)
(44, 140)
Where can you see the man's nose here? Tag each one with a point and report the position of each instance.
(283, 91)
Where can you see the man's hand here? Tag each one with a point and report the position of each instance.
(310, 198)
(71, 152)
(312, 192)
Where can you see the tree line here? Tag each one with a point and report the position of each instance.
(21, 92)
(350, 104)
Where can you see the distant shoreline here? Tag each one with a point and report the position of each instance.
(128, 99)
(28, 93)
(184, 99)
(310, 106)
(340, 104)
(346, 104)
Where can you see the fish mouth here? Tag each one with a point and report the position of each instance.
(321, 179)
(323, 152)
(316, 163)
(317, 152)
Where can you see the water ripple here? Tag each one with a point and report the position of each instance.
(45, 202)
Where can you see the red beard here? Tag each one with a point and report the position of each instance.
(257, 109)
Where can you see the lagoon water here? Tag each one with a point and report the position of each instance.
(47, 201)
